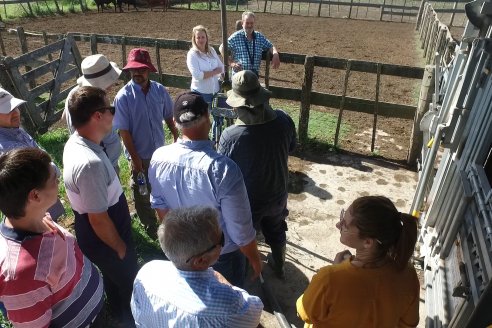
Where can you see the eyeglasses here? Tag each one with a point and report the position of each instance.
(344, 227)
(111, 109)
(211, 248)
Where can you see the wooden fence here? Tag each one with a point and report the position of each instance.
(387, 10)
(434, 36)
(303, 94)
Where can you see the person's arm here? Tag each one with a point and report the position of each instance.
(251, 252)
(172, 127)
(275, 57)
(130, 147)
(192, 61)
(313, 306)
(411, 316)
(106, 231)
(161, 213)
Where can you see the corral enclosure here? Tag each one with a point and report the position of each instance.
(384, 42)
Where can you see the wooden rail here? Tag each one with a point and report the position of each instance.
(306, 95)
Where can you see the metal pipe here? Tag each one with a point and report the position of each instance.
(277, 311)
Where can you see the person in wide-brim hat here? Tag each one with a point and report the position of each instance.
(139, 58)
(98, 72)
(250, 99)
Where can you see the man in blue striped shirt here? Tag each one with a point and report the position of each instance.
(187, 292)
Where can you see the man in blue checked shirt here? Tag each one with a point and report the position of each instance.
(247, 45)
(187, 292)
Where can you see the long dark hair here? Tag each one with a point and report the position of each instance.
(396, 233)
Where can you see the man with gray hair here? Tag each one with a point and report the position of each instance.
(190, 173)
(187, 292)
(247, 46)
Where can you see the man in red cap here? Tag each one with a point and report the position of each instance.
(141, 107)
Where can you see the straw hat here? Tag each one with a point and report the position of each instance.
(98, 72)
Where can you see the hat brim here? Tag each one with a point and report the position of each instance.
(235, 100)
(137, 65)
(102, 82)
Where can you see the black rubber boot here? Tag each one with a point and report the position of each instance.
(277, 260)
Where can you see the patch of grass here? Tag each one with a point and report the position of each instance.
(321, 128)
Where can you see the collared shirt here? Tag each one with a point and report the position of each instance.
(46, 280)
(164, 296)
(243, 51)
(191, 173)
(198, 63)
(142, 115)
(11, 138)
(111, 141)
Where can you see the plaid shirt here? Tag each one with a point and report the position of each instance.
(243, 50)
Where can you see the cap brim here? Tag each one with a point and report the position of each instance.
(236, 100)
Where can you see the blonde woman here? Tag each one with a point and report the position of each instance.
(204, 64)
(205, 67)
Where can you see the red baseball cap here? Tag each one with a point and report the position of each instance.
(139, 58)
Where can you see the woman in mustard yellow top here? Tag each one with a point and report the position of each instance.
(375, 288)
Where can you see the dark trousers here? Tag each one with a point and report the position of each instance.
(271, 220)
(232, 266)
(145, 212)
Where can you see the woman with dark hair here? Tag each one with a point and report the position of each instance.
(376, 287)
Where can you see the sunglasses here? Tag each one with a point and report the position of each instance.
(211, 248)
(111, 109)
(345, 229)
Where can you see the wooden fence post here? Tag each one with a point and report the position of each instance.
(158, 60)
(376, 106)
(25, 50)
(45, 38)
(350, 10)
(319, 7)
(307, 86)
(268, 59)
(420, 14)
(264, 8)
(291, 6)
(342, 101)
(2, 46)
(425, 98)
(123, 58)
(93, 44)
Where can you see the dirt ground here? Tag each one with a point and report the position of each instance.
(320, 185)
(385, 42)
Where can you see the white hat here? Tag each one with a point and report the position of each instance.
(98, 72)
(8, 102)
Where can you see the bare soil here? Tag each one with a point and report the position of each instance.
(386, 42)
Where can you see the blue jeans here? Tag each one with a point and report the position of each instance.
(232, 266)
(218, 121)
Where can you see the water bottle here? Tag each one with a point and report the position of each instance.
(142, 184)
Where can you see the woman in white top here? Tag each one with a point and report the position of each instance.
(204, 64)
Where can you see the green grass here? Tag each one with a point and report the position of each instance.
(321, 129)
(43, 8)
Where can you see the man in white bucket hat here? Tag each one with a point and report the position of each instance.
(260, 142)
(99, 72)
(12, 136)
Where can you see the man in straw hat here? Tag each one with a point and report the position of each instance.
(99, 72)
(260, 143)
(191, 173)
(12, 136)
(141, 107)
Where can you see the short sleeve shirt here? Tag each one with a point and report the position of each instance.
(142, 114)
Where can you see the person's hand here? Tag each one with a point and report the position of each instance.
(275, 60)
(137, 165)
(257, 267)
(342, 256)
(121, 251)
(221, 278)
(217, 70)
(236, 67)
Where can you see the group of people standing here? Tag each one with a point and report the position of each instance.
(209, 202)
